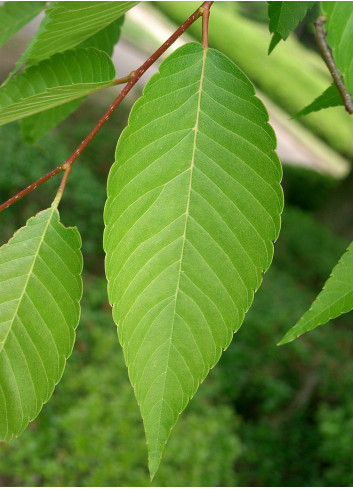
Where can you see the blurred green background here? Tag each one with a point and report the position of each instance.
(266, 415)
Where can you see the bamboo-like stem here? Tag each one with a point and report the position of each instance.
(326, 53)
(131, 79)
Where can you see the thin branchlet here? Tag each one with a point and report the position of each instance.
(131, 80)
(326, 53)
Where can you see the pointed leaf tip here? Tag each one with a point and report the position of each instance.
(335, 298)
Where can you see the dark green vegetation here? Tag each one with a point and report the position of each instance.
(261, 412)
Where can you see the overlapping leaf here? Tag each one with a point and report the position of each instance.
(40, 289)
(14, 15)
(62, 78)
(193, 206)
(329, 98)
(336, 298)
(68, 24)
(284, 18)
(36, 126)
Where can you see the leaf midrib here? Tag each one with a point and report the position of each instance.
(2, 344)
(192, 165)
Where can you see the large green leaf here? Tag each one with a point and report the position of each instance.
(193, 206)
(284, 18)
(62, 78)
(36, 126)
(336, 298)
(14, 15)
(68, 24)
(340, 37)
(329, 98)
(40, 289)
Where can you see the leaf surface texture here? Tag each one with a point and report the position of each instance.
(194, 203)
(36, 126)
(68, 24)
(336, 298)
(15, 15)
(40, 289)
(61, 79)
(284, 18)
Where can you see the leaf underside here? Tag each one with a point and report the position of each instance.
(284, 18)
(40, 289)
(68, 24)
(60, 79)
(336, 298)
(15, 15)
(194, 204)
(36, 126)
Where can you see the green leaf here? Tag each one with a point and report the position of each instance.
(62, 78)
(40, 289)
(36, 126)
(336, 298)
(193, 206)
(284, 18)
(14, 15)
(329, 98)
(68, 24)
(106, 38)
(340, 37)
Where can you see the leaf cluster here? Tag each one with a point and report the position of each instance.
(193, 209)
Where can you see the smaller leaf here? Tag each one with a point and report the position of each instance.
(36, 126)
(68, 24)
(40, 290)
(329, 98)
(62, 78)
(336, 298)
(284, 18)
(14, 15)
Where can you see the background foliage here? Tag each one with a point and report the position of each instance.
(262, 411)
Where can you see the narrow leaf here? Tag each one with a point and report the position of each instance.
(329, 98)
(62, 78)
(336, 298)
(193, 206)
(36, 126)
(14, 15)
(40, 289)
(68, 24)
(284, 18)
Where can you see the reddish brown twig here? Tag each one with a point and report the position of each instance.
(132, 80)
